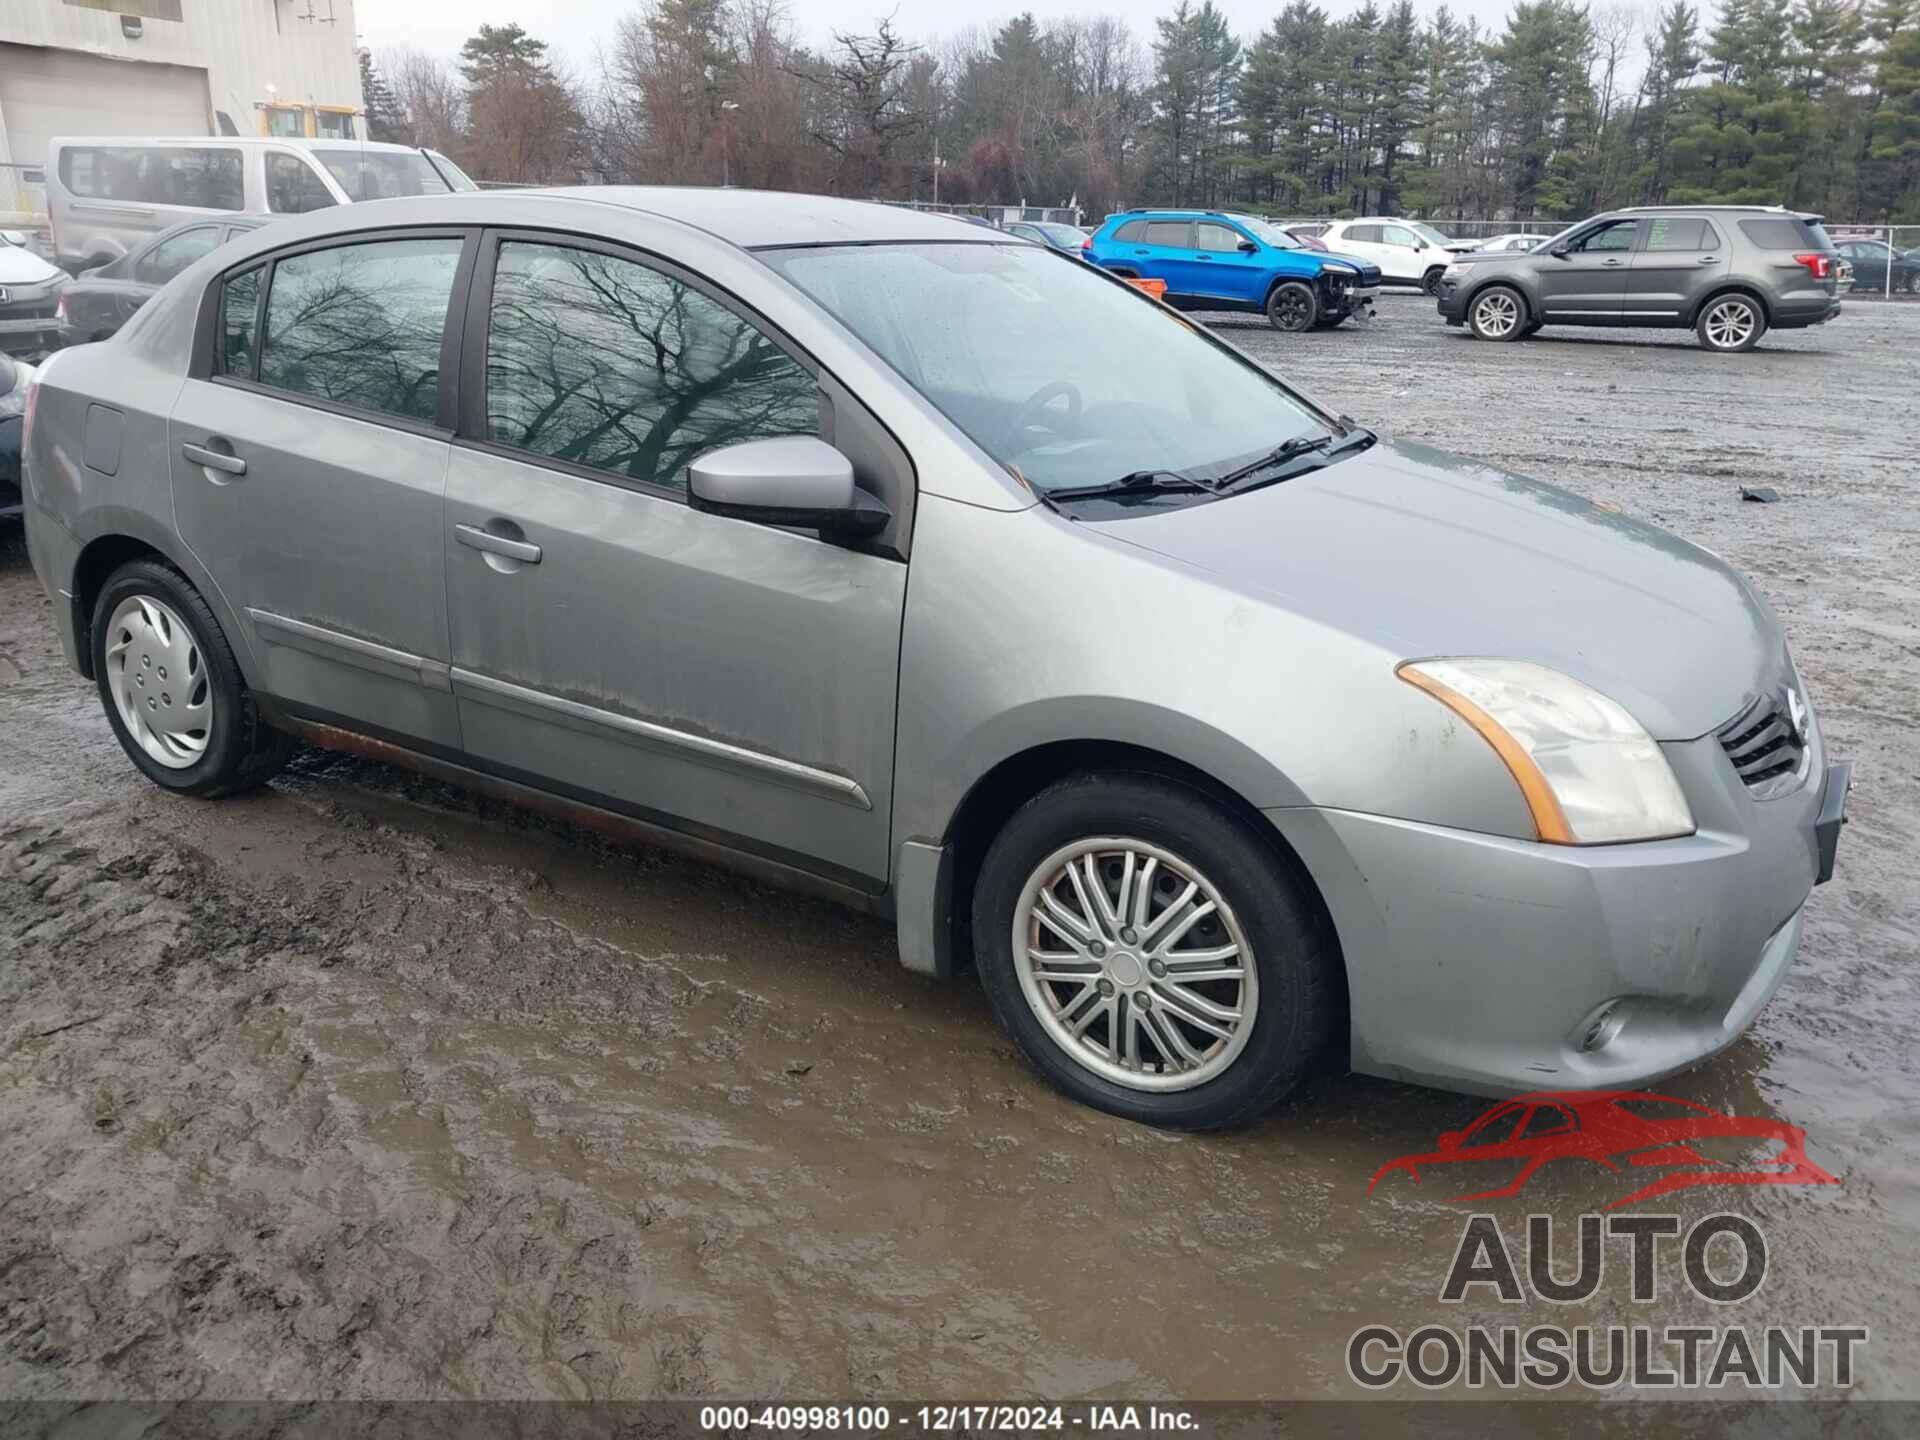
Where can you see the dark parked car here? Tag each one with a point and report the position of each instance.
(1872, 259)
(1728, 272)
(102, 300)
(1070, 238)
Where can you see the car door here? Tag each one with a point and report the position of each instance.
(1167, 254)
(1585, 280)
(1222, 267)
(1678, 261)
(309, 449)
(1403, 254)
(724, 678)
(1357, 241)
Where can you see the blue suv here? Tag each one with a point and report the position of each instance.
(1211, 260)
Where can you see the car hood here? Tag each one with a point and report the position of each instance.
(1335, 257)
(23, 267)
(1423, 554)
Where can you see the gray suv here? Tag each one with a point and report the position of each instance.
(860, 550)
(1728, 272)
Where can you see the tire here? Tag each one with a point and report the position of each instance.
(1912, 283)
(147, 619)
(1293, 307)
(1283, 980)
(1498, 313)
(1430, 282)
(1731, 323)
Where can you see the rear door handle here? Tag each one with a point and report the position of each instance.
(1709, 259)
(214, 459)
(522, 550)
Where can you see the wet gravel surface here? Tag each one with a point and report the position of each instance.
(361, 1087)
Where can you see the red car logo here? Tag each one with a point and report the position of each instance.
(1621, 1130)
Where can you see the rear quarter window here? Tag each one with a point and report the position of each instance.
(1785, 233)
(1134, 232)
(206, 178)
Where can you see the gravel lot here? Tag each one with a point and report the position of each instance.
(361, 1087)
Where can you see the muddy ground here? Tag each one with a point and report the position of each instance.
(363, 1087)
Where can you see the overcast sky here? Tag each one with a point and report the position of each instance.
(574, 27)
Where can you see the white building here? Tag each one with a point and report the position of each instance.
(169, 67)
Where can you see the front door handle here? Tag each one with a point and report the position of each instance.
(1611, 264)
(222, 461)
(524, 551)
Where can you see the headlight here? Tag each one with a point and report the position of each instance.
(1590, 774)
(1457, 269)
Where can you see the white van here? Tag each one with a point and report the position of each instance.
(107, 194)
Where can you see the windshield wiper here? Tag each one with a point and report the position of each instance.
(1136, 482)
(1321, 447)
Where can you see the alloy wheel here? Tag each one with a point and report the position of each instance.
(158, 681)
(1496, 314)
(1729, 324)
(1293, 308)
(1135, 964)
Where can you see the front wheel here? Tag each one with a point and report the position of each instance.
(1430, 282)
(172, 689)
(1729, 324)
(1497, 313)
(1293, 307)
(1152, 954)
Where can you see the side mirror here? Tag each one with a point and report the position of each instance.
(795, 480)
(1247, 247)
(1559, 252)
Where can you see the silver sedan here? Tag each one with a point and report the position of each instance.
(947, 576)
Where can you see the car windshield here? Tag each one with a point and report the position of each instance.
(381, 174)
(1272, 234)
(1054, 370)
(452, 173)
(1429, 234)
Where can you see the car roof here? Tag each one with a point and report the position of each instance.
(762, 219)
(300, 142)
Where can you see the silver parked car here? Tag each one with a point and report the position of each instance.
(948, 576)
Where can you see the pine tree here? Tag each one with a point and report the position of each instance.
(386, 121)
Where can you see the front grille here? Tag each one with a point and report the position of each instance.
(1765, 743)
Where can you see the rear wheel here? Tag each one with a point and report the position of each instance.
(1497, 313)
(1153, 956)
(1731, 323)
(172, 689)
(1292, 306)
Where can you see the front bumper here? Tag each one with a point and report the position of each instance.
(1481, 963)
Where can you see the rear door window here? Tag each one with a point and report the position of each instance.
(1168, 232)
(1362, 234)
(175, 253)
(1679, 232)
(360, 325)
